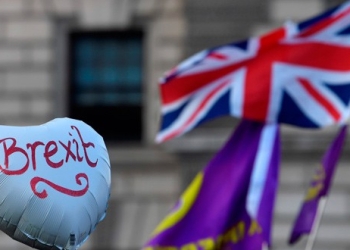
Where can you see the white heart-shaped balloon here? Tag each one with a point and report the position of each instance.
(55, 183)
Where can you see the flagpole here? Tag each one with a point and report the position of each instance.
(312, 237)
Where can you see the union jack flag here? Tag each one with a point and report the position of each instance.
(298, 74)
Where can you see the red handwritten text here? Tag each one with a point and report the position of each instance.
(49, 151)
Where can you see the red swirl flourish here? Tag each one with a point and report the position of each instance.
(55, 154)
(43, 194)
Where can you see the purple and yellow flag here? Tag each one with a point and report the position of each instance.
(229, 204)
(319, 187)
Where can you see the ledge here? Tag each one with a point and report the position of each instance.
(292, 139)
(130, 156)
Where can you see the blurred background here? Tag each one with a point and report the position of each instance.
(100, 61)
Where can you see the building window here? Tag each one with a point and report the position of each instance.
(105, 82)
(332, 3)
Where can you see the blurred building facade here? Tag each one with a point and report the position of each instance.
(36, 78)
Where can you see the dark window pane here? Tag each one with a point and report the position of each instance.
(106, 75)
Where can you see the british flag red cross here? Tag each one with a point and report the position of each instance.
(298, 74)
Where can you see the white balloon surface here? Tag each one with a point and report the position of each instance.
(55, 181)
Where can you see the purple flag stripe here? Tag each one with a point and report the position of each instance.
(212, 213)
(319, 187)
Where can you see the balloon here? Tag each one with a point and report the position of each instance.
(55, 181)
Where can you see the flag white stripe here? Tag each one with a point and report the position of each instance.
(237, 92)
(261, 169)
(192, 107)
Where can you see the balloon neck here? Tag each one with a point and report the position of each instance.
(71, 243)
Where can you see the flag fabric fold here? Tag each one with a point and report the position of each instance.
(318, 189)
(229, 204)
(298, 74)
